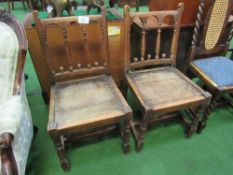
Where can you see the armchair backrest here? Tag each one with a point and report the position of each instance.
(13, 48)
(216, 34)
(12, 23)
(74, 47)
(160, 21)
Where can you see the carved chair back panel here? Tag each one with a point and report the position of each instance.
(72, 49)
(164, 24)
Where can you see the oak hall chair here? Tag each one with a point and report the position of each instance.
(161, 90)
(84, 99)
(16, 129)
(206, 57)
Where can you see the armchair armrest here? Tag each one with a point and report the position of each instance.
(5, 140)
(15, 133)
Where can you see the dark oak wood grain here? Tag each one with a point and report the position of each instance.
(158, 87)
(84, 99)
(115, 51)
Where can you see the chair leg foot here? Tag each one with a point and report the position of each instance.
(200, 127)
(192, 129)
(65, 165)
(140, 140)
(60, 147)
(139, 145)
(126, 148)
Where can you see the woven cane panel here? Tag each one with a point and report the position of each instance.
(216, 22)
(85, 100)
(163, 86)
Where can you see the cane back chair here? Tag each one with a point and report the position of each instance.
(161, 90)
(84, 99)
(206, 57)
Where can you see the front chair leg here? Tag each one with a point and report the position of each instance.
(208, 110)
(200, 111)
(60, 147)
(126, 136)
(141, 132)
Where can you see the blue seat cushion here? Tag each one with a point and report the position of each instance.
(219, 69)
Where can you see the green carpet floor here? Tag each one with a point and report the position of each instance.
(166, 150)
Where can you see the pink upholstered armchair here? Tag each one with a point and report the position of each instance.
(16, 128)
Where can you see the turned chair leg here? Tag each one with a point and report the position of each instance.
(126, 137)
(208, 110)
(202, 123)
(200, 112)
(60, 147)
(141, 132)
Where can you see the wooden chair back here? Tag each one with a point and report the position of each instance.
(215, 37)
(160, 21)
(189, 13)
(74, 47)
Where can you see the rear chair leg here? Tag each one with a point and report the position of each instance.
(141, 133)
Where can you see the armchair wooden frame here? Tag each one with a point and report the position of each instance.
(146, 76)
(200, 49)
(77, 59)
(9, 166)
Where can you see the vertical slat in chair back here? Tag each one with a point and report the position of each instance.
(74, 47)
(161, 22)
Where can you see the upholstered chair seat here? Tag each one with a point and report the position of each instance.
(210, 42)
(218, 69)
